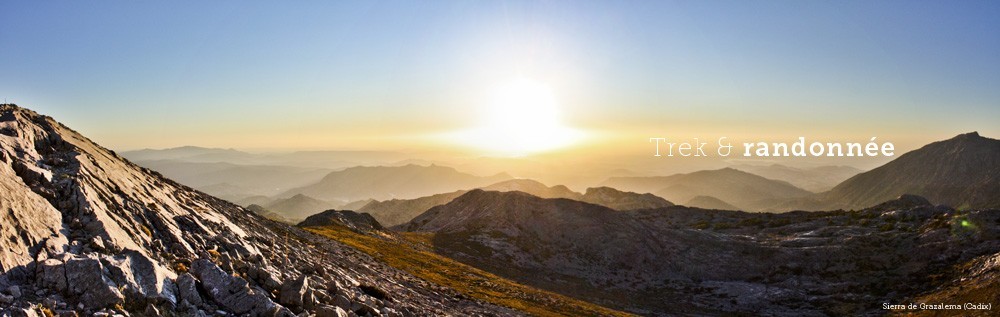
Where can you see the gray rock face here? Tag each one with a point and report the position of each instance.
(187, 289)
(330, 311)
(293, 293)
(14, 291)
(141, 278)
(88, 279)
(51, 274)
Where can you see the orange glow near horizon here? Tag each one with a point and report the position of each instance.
(522, 117)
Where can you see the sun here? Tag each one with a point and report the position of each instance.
(521, 117)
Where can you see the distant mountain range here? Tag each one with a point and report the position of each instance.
(233, 181)
(302, 159)
(816, 179)
(741, 189)
(299, 207)
(388, 182)
(709, 202)
(397, 211)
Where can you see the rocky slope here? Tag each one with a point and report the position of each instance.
(86, 232)
(963, 171)
(680, 260)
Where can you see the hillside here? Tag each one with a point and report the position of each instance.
(619, 200)
(88, 232)
(741, 189)
(709, 202)
(963, 172)
(398, 211)
(533, 187)
(816, 179)
(298, 207)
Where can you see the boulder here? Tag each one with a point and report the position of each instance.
(233, 293)
(187, 290)
(293, 292)
(141, 279)
(51, 274)
(86, 278)
(330, 311)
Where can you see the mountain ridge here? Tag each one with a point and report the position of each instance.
(388, 182)
(962, 172)
(742, 189)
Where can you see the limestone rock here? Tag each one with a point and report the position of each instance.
(330, 311)
(294, 292)
(141, 279)
(233, 293)
(188, 290)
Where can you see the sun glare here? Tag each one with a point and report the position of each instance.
(520, 118)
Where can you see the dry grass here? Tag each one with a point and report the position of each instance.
(414, 255)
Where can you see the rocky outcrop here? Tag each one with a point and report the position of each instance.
(85, 232)
(905, 201)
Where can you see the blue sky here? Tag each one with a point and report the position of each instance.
(359, 74)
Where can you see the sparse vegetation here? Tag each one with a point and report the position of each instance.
(146, 231)
(180, 267)
(413, 254)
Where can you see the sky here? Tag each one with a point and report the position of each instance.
(423, 74)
